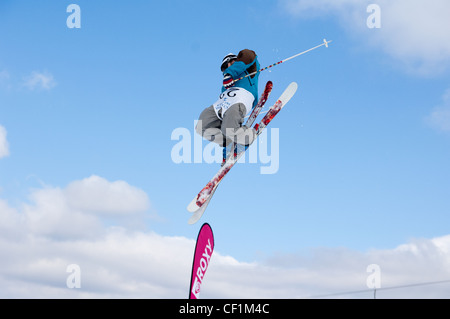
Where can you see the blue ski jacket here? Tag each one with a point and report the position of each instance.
(239, 69)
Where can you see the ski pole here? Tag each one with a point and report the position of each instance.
(325, 43)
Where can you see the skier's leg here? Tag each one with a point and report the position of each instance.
(209, 126)
(232, 125)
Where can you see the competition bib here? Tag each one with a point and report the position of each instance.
(232, 96)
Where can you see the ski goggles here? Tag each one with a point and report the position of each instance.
(227, 59)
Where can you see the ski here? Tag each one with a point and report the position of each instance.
(201, 201)
(260, 105)
(199, 212)
(193, 207)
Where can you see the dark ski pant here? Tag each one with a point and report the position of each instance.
(227, 130)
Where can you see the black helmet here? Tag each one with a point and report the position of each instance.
(228, 58)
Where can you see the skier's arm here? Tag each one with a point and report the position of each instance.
(236, 70)
(247, 61)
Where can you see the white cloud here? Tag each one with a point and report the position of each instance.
(51, 215)
(39, 81)
(118, 264)
(10, 221)
(98, 195)
(39, 239)
(76, 211)
(4, 145)
(413, 32)
(440, 116)
(336, 271)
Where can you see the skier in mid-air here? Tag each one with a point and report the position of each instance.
(222, 122)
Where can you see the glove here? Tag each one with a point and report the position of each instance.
(227, 81)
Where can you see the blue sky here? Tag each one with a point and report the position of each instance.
(86, 117)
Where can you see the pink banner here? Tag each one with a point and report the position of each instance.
(202, 256)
